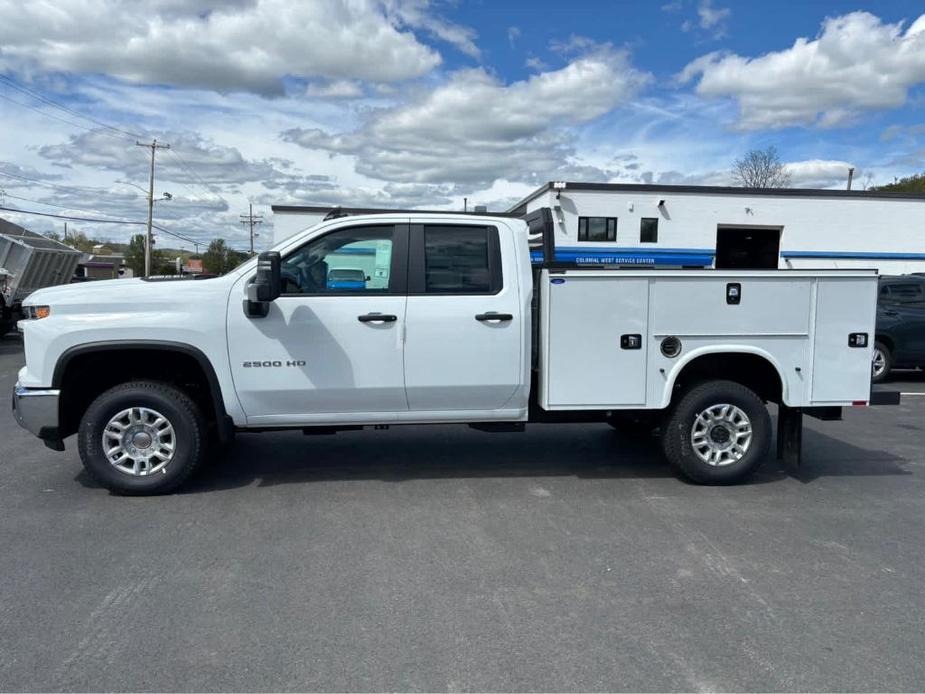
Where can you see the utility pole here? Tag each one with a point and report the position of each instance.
(148, 239)
(850, 177)
(252, 220)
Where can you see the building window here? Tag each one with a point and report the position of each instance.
(648, 230)
(597, 228)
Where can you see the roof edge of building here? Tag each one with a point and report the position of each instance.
(717, 190)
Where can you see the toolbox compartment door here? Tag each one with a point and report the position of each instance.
(841, 372)
(586, 366)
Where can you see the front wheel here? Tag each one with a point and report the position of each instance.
(142, 438)
(719, 433)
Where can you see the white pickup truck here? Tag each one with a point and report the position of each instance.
(366, 321)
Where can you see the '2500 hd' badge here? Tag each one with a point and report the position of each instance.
(272, 364)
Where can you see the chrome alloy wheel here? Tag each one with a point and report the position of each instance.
(721, 435)
(878, 363)
(139, 441)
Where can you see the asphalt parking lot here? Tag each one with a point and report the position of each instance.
(564, 558)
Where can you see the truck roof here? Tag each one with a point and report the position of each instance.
(332, 212)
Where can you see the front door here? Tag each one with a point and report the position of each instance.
(464, 348)
(332, 343)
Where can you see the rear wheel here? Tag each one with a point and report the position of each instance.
(881, 362)
(142, 438)
(718, 433)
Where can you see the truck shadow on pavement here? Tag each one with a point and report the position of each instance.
(397, 456)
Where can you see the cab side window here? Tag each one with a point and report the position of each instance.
(455, 259)
(357, 260)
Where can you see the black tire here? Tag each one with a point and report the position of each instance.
(676, 434)
(876, 377)
(5, 327)
(184, 416)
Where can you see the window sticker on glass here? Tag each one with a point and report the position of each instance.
(383, 262)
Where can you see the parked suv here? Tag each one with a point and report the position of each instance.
(900, 336)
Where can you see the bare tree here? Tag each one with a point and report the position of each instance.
(760, 168)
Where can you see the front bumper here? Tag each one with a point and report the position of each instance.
(36, 410)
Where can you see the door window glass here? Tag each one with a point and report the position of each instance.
(356, 260)
(456, 260)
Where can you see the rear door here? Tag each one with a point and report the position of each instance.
(464, 321)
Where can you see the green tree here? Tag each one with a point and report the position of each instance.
(219, 258)
(80, 241)
(135, 255)
(909, 184)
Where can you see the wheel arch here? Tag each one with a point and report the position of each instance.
(748, 365)
(92, 353)
(886, 339)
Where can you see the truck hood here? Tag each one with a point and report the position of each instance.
(126, 294)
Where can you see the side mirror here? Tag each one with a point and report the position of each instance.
(266, 287)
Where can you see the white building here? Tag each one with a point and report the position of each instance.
(628, 224)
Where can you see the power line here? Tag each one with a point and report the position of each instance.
(113, 131)
(49, 184)
(98, 220)
(69, 217)
(63, 207)
(51, 102)
(196, 178)
(103, 221)
(53, 116)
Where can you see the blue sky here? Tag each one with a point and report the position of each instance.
(417, 103)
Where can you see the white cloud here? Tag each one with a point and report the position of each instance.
(212, 164)
(340, 89)
(390, 195)
(474, 129)
(418, 14)
(16, 176)
(893, 132)
(513, 33)
(857, 63)
(820, 173)
(237, 46)
(713, 18)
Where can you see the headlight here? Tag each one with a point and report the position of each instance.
(35, 312)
